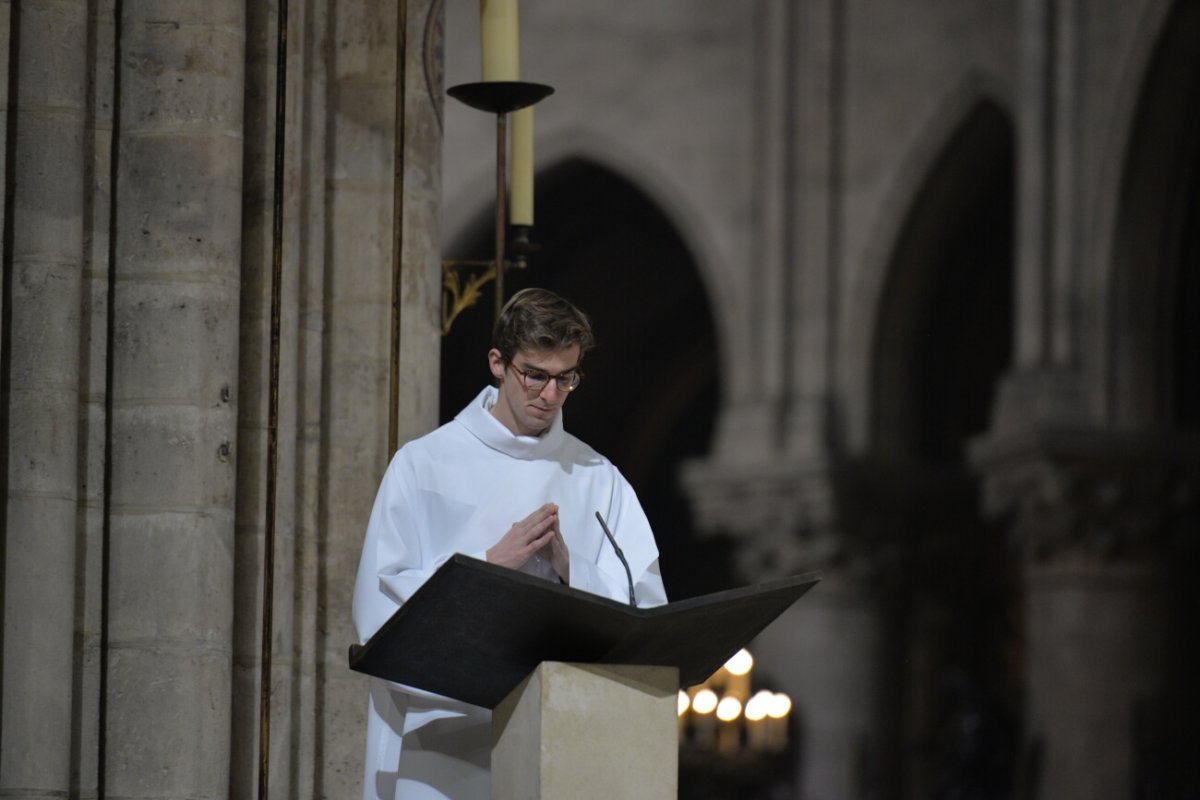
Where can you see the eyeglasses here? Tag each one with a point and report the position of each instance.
(536, 379)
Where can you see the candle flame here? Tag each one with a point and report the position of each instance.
(705, 701)
(728, 709)
(740, 663)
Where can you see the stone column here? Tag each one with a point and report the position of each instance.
(253, 396)
(1097, 516)
(41, 341)
(6, 40)
(178, 200)
(360, 225)
(308, 747)
(828, 651)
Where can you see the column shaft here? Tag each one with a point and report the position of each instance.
(178, 201)
(1095, 654)
(43, 281)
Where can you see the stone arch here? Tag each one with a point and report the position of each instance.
(941, 339)
(860, 331)
(968, 185)
(650, 397)
(1152, 298)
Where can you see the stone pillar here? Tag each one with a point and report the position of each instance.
(308, 747)
(1096, 516)
(93, 457)
(178, 200)
(253, 396)
(6, 41)
(360, 225)
(41, 340)
(828, 651)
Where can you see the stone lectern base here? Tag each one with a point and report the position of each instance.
(585, 731)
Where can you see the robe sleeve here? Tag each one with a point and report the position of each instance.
(606, 575)
(395, 560)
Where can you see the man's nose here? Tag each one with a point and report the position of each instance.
(550, 392)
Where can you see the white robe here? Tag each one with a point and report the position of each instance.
(458, 490)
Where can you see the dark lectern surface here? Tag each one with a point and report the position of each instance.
(474, 630)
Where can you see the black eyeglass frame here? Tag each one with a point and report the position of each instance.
(573, 377)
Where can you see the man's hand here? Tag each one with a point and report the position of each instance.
(555, 551)
(527, 537)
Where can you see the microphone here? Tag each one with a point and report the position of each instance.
(617, 548)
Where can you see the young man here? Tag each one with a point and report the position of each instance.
(502, 482)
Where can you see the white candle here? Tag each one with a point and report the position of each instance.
(521, 188)
(499, 40)
(757, 734)
(729, 736)
(704, 723)
(739, 668)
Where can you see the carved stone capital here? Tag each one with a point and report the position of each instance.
(1093, 496)
(788, 516)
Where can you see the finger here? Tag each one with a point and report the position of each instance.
(539, 529)
(539, 514)
(540, 541)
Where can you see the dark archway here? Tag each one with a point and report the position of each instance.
(944, 340)
(1155, 297)
(649, 399)
(946, 317)
(1155, 375)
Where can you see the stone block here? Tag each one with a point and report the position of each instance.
(48, 196)
(173, 457)
(45, 325)
(43, 444)
(170, 573)
(187, 76)
(181, 206)
(168, 721)
(180, 13)
(156, 322)
(53, 49)
(587, 731)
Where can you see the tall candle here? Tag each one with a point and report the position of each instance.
(499, 40)
(704, 723)
(521, 188)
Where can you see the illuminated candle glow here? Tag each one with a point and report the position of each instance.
(704, 724)
(729, 736)
(740, 662)
(757, 732)
(705, 701)
(729, 709)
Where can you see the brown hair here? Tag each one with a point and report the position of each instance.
(539, 320)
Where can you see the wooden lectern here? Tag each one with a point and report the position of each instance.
(583, 688)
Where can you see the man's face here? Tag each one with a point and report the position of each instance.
(529, 412)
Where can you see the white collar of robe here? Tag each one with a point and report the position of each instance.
(478, 419)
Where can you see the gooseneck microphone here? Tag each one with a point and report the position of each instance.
(617, 549)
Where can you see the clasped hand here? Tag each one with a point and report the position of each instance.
(537, 534)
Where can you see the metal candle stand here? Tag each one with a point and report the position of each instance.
(499, 98)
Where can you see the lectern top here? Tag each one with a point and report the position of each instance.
(474, 630)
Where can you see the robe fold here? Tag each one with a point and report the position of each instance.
(458, 490)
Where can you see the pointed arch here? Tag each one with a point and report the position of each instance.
(944, 323)
(968, 137)
(1151, 296)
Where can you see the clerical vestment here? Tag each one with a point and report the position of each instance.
(458, 490)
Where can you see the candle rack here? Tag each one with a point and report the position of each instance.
(458, 292)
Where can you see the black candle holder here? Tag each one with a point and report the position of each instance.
(499, 98)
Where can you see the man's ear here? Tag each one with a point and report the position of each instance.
(496, 364)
